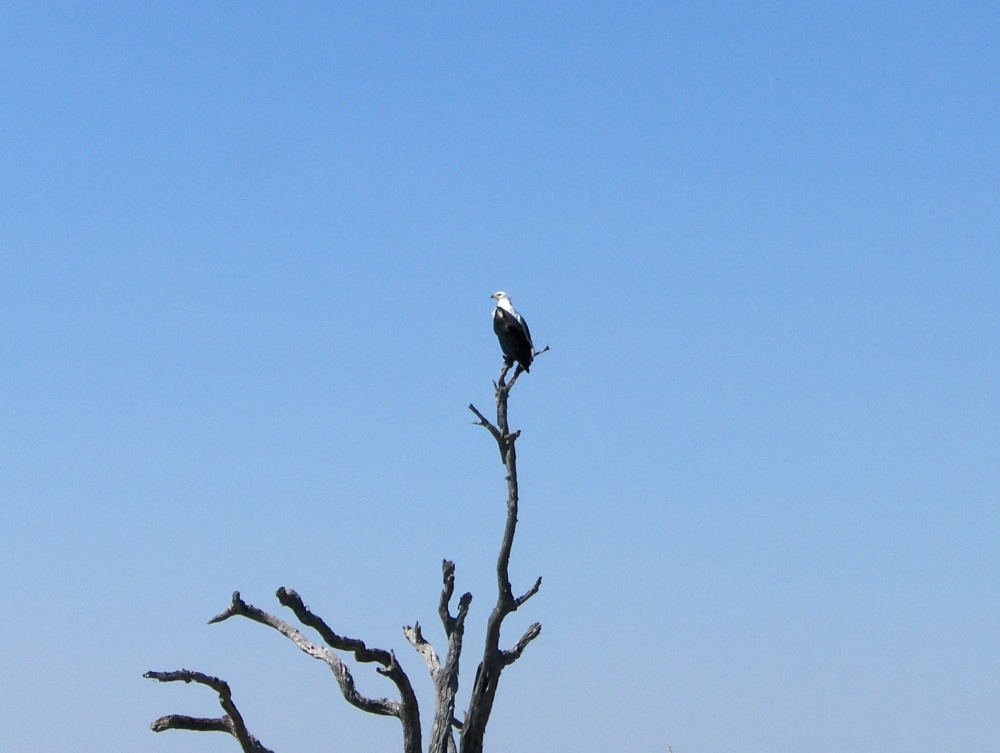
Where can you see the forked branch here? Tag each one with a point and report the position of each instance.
(406, 709)
(231, 722)
(445, 676)
(381, 706)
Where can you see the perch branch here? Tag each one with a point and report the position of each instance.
(494, 659)
(507, 363)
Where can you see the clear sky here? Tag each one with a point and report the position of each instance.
(246, 254)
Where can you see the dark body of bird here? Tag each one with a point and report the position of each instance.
(512, 332)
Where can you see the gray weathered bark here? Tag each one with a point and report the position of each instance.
(494, 658)
(231, 722)
(444, 675)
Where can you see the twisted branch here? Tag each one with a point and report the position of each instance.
(406, 709)
(381, 706)
(289, 598)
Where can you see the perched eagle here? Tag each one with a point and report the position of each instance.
(512, 332)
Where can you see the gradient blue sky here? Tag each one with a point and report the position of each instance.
(246, 253)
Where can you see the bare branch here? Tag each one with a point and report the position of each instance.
(233, 609)
(463, 609)
(192, 723)
(416, 638)
(501, 440)
(512, 655)
(483, 421)
(451, 623)
(381, 706)
(486, 423)
(448, 576)
(407, 709)
(231, 722)
(445, 676)
(362, 653)
(531, 592)
(415, 635)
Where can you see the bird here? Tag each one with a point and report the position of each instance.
(512, 332)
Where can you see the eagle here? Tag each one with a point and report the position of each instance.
(512, 332)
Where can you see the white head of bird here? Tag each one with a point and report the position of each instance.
(503, 301)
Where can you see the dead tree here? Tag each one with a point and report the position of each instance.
(404, 707)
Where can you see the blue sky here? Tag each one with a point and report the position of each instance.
(246, 254)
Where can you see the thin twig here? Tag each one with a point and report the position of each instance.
(531, 592)
(501, 441)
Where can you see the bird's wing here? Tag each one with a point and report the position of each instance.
(524, 326)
